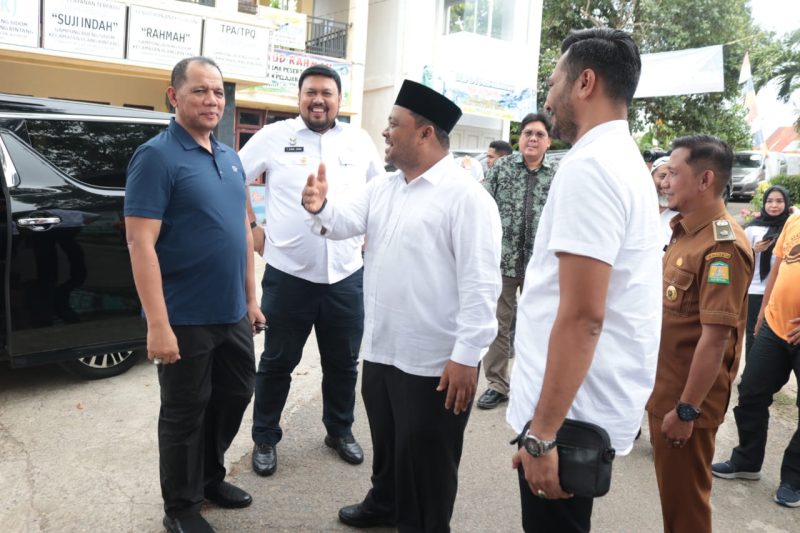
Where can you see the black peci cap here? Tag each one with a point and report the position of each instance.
(425, 101)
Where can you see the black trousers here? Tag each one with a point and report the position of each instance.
(417, 446)
(292, 306)
(203, 399)
(553, 516)
(753, 307)
(769, 364)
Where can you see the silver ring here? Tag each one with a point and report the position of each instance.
(676, 443)
(156, 360)
(541, 494)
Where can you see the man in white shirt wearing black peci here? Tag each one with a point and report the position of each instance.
(431, 283)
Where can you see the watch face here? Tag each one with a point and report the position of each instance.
(533, 447)
(537, 447)
(686, 412)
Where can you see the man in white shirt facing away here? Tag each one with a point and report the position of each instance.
(589, 318)
(431, 282)
(309, 281)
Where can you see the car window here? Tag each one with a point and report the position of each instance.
(9, 170)
(747, 161)
(95, 153)
(29, 166)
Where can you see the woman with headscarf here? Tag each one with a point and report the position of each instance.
(763, 231)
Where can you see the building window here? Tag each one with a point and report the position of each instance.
(492, 18)
(248, 6)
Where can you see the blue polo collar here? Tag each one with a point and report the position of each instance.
(187, 141)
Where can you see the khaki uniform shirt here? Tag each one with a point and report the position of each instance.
(707, 269)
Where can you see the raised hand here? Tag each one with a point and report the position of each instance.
(315, 191)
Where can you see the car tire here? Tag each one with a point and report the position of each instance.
(103, 365)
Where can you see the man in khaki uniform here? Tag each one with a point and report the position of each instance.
(707, 269)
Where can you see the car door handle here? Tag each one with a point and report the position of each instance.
(38, 223)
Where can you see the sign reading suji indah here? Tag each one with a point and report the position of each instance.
(91, 27)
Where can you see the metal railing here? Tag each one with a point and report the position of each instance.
(326, 37)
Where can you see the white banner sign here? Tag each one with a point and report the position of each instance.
(162, 37)
(92, 27)
(290, 28)
(238, 49)
(285, 69)
(690, 71)
(19, 22)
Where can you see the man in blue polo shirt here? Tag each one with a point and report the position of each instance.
(190, 242)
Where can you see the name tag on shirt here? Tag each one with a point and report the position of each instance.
(293, 149)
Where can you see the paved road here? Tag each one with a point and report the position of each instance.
(81, 456)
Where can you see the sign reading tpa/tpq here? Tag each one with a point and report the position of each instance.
(239, 49)
(91, 27)
(162, 37)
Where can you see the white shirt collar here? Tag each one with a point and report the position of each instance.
(300, 124)
(435, 174)
(613, 126)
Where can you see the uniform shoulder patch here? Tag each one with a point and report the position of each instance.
(723, 231)
(716, 255)
(719, 272)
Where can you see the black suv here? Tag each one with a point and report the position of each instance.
(67, 289)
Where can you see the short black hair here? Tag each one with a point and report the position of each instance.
(711, 151)
(178, 76)
(320, 70)
(501, 147)
(442, 136)
(612, 54)
(535, 117)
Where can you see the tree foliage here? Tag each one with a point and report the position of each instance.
(663, 25)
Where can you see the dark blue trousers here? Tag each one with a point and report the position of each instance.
(769, 364)
(292, 307)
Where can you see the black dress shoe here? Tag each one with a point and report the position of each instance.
(265, 459)
(491, 399)
(187, 524)
(228, 496)
(347, 448)
(359, 516)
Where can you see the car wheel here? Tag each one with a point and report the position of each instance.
(104, 365)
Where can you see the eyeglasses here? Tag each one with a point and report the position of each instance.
(537, 134)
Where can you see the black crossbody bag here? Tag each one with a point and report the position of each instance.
(585, 457)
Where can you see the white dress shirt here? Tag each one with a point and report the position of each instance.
(288, 152)
(756, 234)
(602, 204)
(665, 217)
(432, 266)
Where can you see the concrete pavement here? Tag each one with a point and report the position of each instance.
(82, 456)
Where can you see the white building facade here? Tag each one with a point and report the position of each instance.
(483, 54)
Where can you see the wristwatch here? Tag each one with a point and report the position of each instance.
(687, 412)
(536, 446)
